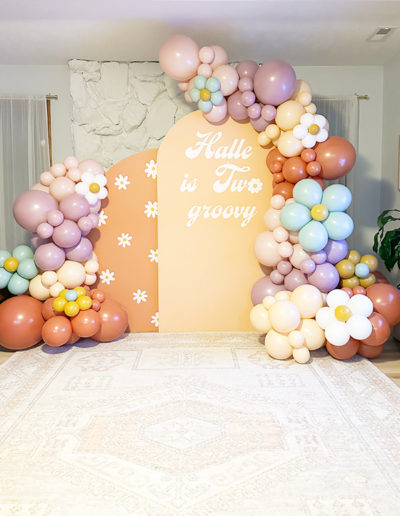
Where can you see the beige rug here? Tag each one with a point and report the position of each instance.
(201, 424)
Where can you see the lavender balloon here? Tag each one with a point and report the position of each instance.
(274, 82)
(294, 279)
(74, 207)
(81, 252)
(263, 288)
(325, 277)
(336, 250)
(49, 257)
(31, 207)
(67, 234)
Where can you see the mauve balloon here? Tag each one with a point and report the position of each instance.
(294, 279)
(274, 82)
(67, 234)
(247, 69)
(74, 207)
(36, 241)
(31, 207)
(259, 124)
(325, 277)
(81, 252)
(336, 250)
(263, 288)
(235, 107)
(49, 257)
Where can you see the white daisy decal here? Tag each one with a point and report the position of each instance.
(102, 218)
(151, 169)
(139, 296)
(151, 209)
(124, 240)
(155, 319)
(153, 255)
(92, 187)
(255, 185)
(107, 276)
(121, 182)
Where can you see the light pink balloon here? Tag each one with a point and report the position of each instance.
(266, 249)
(94, 219)
(285, 249)
(276, 277)
(74, 207)
(58, 169)
(228, 77)
(85, 224)
(31, 207)
(36, 241)
(272, 218)
(284, 267)
(90, 165)
(179, 57)
(61, 187)
(298, 256)
(44, 230)
(46, 178)
(39, 186)
(70, 162)
(96, 207)
(206, 54)
(67, 234)
(74, 174)
(55, 217)
(220, 57)
(205, 70)
(217, 113)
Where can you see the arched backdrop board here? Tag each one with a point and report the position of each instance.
(126, 240)
(213, 190)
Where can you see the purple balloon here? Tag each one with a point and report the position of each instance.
(259, 124)
(74, 207)
(67, 234)
(81, 252)
(44, 230)
(49, 257)
(308, 266)
(336, 250)
(31, 207)
(235, 107)
(294, 279)
(247, 68)
(274, 82)
(319, 257)
(263, 288)
(325, 277)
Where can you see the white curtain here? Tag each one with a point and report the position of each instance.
(342, 115)
(24, 155)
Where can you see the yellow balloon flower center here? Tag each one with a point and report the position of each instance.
(319, 212)
(94, 188)
(11, 264)
(342, 313)
(314, 129)
(205, 94)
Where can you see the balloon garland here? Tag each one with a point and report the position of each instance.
(298, 304)
(55, 302)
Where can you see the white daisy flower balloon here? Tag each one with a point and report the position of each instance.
(92, 187)
(311, 130)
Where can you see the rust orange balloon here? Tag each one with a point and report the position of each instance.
(114, 321)
(294, 170)
(380, 330)
(285, 189)
(343, 352)
(86, 323)
(386, 301)
(336, 156)
(275, 160)
(21, 322)
(369, 351)
(57, 331)
(48, 310)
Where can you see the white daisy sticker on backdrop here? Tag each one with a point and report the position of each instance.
(155, 319)
(122, 182)
(151, 169)
(124, 240)
(153, 255)
(92, 187)
(139, 296)
(107, 276)
(102, 218)
(255, 185)
(151, 209)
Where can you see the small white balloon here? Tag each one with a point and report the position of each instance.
(337, 297)
(359, 327)
(337, 333)
(361, 305)
(325, 316)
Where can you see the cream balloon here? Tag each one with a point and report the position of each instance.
(268, 301)
(283, 295)
(298, 256)
(91, 266)
(314, 336)
(37, 290)
(284, 316)
(90, 279)
(49, 278)
(56, 289)
(296, 339)
(259, 318)
(301, 355)
(288, 145)
(71, 274)
(301, 86)
(277, 345)
(288, 114)
(308, 300)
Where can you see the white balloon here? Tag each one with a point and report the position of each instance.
(337, 297)
(361, 305)
(359, 327)
(325, 316)
(337, 333)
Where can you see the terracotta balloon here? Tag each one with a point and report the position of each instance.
(74, 338)
(114, 321)
(294, 170)
(336, 156)
(380, 330)
(57, 331)
(86, 323)
(275, 160)
(369, 351)
(285, 189)
(380, 278)
(21, 322)
(386, 300)
(343, 352)
(48, 310)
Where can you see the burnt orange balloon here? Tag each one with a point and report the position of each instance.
(343, 352)
(308, 155)
(380, 278)
(48, 310)
(369, 351)
(386, 301)
(278, 178)
(74, 338)
(57, 331)
(21, 322)
(359, 290)
(313, 168)
(336, 156)
(86, 323)
(294, 170)
(348, 291)
(380, 330)
(96, 305)
(319, 181)
(114, 321)
(285, 189)
(98, 295)
(275, 160)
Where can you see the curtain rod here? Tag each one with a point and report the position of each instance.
(361, 97)
(49, 96)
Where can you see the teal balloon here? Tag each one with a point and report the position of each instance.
(339, 225)
(71, 295)
(18, 285)
(294, 216)
(361, 270)
(205, 105)
(313, 237)
(194, 94)
(307, 192)
(27, 269)
(213, 84)
(3, 257)
(200, 82)
(337, 198)
(217, 98)
(5, 277)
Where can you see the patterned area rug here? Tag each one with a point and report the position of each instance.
(195, 425)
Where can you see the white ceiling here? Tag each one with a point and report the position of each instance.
(324, 32)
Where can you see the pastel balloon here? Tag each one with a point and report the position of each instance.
(319, 257)
(276, 277)
(308, 300)
(268, 112)
(206, 55)
(92, 166)
(313, 236)
(81, 252)
(386, 301)
(294, 279)
(314, 336)
(284, 316)
(294, 216)
(262, 288)
(288, 114)
(298, 256)
(44, 230)
(55, 217)
(57, 331)
(58, 169)
(49, 257)
(217, 113)
(277, 345)
(336, 197)
(308, 192)
(114, 321)
(21, 322)
(325, 277)
(336, 156)
(70, 162)
(247, 69)
(272, 218)
(61, 187)
(235, 107)
(380, 330)
(258, 124)
(17, 285)
(274, 82)
(22, 252)
(179, 57)
(74, 207)
(259, 318)
(339, 225)
(245, 84)
(288, 145)
(336, 250)
(67, 234)
(71, 274)
(27, 269)
(37, 290)
(228, 77)
(266, 249)
(301, 355)
(220, 57)
(247, 99)
(31, 207)
(301, 87)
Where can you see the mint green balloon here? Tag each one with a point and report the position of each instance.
(339, 225)
(200, 82)
(5, 277)
(27, 269)
(21, 252)
(294, 216)
(194, 94)
(313, 237)
(213, 84)
(336, 198)
(205, 105)
(18, 285)
(217, 98)
(307, 192)
(3, 257)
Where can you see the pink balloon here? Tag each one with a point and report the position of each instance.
(235, 107)
(276, 277)
(49, 257)
(294, 279)
(94, 219)
(274, 82)
(61, 187)
(44, 230)
(228, 77)
(70, 162)
(85, 224)
(268, 112)
(247, 69)
(67, 234)
(96, 207)
(31, 207)
(248, 98)
(308, 266)
(179, 57)
(267, 249)
(204, 69)
(263, 288)
(217, 113)
(254, 111)
(220, 57)
(90, 165)
(55, 217)
(39, 186)
(325, 277)
(46, 178)
(74, 174)
(81, 252)
(284, 267)
(245, 84)
(259, 124)
(74, 207)
(58, 169)
(36, 241)
(206, 55)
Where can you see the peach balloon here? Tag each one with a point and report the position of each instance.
(308, 300)
(314, 336)
(228, 77)
(179, 57)
(271, 218)
(301, 355)
(37, 290)
(288, 145)
(58, 169)
(288, 114)
(220, 57)
(217, 113)
(277, 345)
(61, 187)
(301, 86)
(284, 316)
(71, 274)
(259, 318)
(266, 249)
(298, 256)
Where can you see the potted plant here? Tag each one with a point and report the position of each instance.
(387, 239)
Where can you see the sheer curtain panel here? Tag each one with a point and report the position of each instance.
(24, 155)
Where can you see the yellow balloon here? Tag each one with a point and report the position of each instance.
(319, 212)
(368, 281)
(62, 292)
(350, 282)
(37, 290)
(71, 308)
(263, 139)
(301, 355)
(314, 336)
(71, 274)
(288, 114)
(284, 316)
(308, 300)
(342, 313)
(272, 131)
(59, 304)
(288, 145)
(371, 261)
(277, 345)
(259, 318)
(10, 264)
(84, 302)
(354, 256)
(345, 268)
(80, 291)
